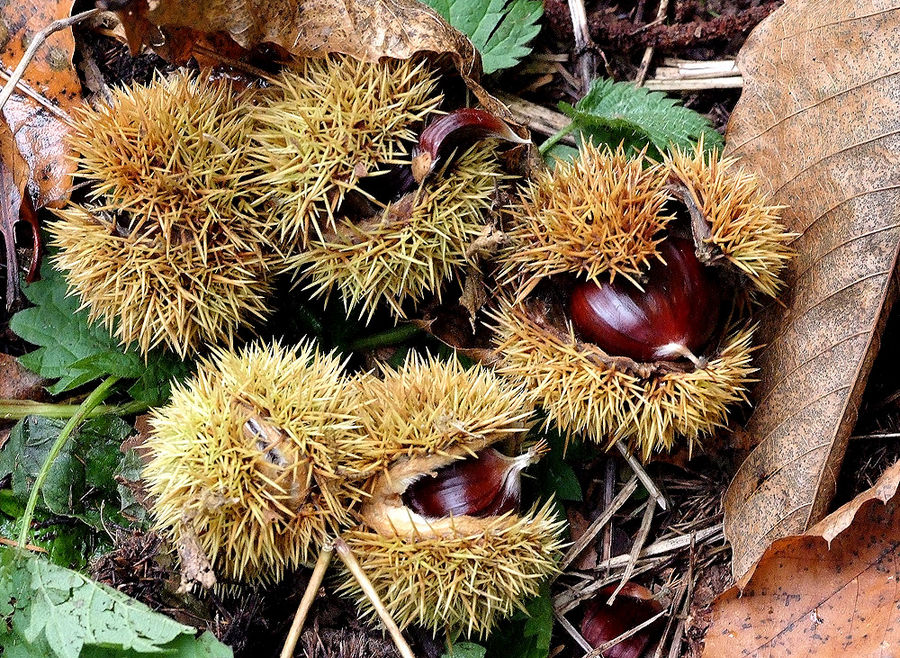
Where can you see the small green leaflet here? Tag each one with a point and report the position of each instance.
(465, 650)
(527, 634)
(499, 29)
(77, 352)
(618, 112)
(51, 611)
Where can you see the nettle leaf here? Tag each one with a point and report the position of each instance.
(618, 112)
(51, 611)
(465, 650)
(499, 29)
(82, 481)
(77, 352)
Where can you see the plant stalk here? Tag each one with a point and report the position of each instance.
(385, 338)
(18, 409)
(91, 401)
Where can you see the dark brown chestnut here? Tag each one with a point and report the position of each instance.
(672, 317)
(633, 605)
(456, 130)
(488, 484)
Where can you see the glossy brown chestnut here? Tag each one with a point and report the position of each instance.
(673, 317)
(454, 131)
(633, 606)
(486, 485)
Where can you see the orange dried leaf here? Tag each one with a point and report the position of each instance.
(829, 592)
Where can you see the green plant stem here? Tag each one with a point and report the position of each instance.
(95, 398)
(385, 338)
(18, 409)
(554, 139)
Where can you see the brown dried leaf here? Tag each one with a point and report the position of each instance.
(13, 179)
(17, 383)
(367, 30)
(39, 130)
(818, 122)
(829, 592)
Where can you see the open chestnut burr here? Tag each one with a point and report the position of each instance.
(441, 533)
(624, 291)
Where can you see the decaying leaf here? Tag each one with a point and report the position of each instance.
(13, 179)
(818, 122)
(829, 592)
(17, 383)
(39, 129)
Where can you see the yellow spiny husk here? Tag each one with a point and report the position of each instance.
(172, 152)
(168, 249)
(464, 581)
(327, 123)
(460, 573)
(431, 407)
(179, 295)
(413, 247)
(583, 393)
(256, 509)
(745, 229)
(598, 216)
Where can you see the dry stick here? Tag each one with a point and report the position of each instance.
(609, 484)
(353, 567)
(651, 488)
(676, 602)
(598, 523)
(586, 62)
(15, 544)
(309, 595)
(606, 646)
(648, 53)
(34, 95)
(36, 42)
(569, 599)
(572, 631)
(639, 542)
(536, 117)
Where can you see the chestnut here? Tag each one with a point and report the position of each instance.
(633, 605)
(488, 484)
(673, 316)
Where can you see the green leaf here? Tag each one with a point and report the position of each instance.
(499, 29)
(527, 634)
(76, 352)
(465, 650)
(51, 611)
(82, 482)
(618, 112)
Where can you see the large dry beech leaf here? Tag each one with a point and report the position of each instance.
(39, 130)
(818, 120)
(365, 29)
(832, 591)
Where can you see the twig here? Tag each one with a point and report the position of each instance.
(585, 61)
(536, 117)
(96, 397)
(609, 484)
(676, 602)
(651, 488)
(15, 544)
(353, 567)
(665, 546)
(606, 646)
(648, 52)
(725, 82)
(573, 632)
(36, 43)
(636, 548)
(309, 595)
(598, 524)
(36, 96)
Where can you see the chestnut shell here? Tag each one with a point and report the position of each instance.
(470, 487)
(678, 309)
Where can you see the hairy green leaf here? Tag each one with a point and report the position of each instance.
(76, 352)
(51, 611)
(465, 650)
(527, 634)
(499, 29)
(82, 481)
(619, 113)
